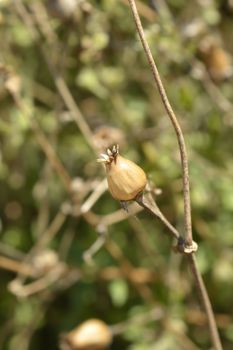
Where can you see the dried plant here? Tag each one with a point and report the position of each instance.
(44, 270)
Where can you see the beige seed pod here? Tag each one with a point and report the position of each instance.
(63, 9)
(125, 178)
(216, 59)
(92, 334)
(219, 63)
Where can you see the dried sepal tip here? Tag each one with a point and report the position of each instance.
(109, 156)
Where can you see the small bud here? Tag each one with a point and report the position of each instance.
(125, 178)
(92, 334)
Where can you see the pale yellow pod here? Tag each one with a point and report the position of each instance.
(125, 178)
(91, 334)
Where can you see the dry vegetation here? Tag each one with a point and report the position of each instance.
(74, 80)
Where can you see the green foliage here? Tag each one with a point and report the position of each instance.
(97, 53)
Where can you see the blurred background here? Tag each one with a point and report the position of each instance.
(73, 81)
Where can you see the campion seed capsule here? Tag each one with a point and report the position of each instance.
(125, 178)
(92, 334)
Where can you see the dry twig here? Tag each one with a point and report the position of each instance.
(175, 123)
(186, 190)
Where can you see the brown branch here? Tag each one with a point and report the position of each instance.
(61, 86)
(15, 266)
(44, 142)
(175, 123)
(51, 155)
(151, 206)
(206, 302)
(186, 190)
(147, 202)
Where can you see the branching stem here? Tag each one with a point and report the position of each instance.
(151, 206)
(186, 187)
(206, 302)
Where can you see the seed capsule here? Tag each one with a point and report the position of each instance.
(92, 334)
(217, 60)
(125, 178)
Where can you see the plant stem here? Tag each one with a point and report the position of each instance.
(151, 206)
(61, 86)
(206, 302)
(186, 187)
(175, 123)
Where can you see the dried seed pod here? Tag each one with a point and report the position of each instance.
(217, 60)
(219, 64)
(62, 8)
(92, 334)
(125, 178)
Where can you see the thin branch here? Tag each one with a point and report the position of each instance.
(186, 190)
(43, 142)
(94, 196)
(51, 231)
(93, 249)
(16, 266)
(59, 82)
(157, 313)
(147, 202)
(43, 241)
(11, 252)
(47, 280)
(206, 302)
(152, 207)
(51, 155)
(175, 123)
(112, 218)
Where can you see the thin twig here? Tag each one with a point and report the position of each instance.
(43, 142)
(112, 218)
(152, 207)
(93, 249)
(60, 84)
(94, 196)
(15, 266)
(51, 154)
(147, 202)
(175, 123)
(43, 241)
(186, 190)
(11, 252)
(47, 280)
(127, 269)
(157, 313)
(206, 302)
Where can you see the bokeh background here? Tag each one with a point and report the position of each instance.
(74, 80)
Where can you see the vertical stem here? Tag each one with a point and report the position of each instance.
(175, 123)
(206, 302)
(185, 175)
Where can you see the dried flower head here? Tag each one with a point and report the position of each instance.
(125, 178)
(92, 334)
